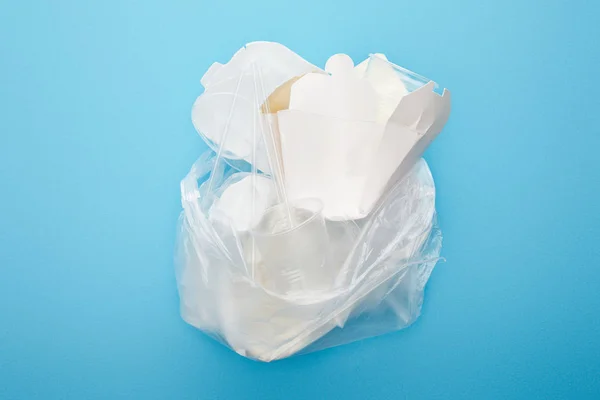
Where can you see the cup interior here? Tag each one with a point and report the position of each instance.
(283, 219)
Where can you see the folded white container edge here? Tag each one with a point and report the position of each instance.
(331, 125)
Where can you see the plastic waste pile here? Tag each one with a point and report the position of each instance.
(310, 220)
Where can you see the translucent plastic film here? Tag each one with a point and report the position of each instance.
(270, 260)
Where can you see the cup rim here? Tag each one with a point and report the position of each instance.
(315, 214)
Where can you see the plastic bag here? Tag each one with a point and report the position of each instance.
(271, 276)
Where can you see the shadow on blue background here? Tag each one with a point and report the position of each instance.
(95, 135)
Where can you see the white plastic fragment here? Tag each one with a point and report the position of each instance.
(234, 203)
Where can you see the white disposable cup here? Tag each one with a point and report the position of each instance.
(293, 243)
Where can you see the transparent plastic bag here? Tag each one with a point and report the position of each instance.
(271, 276)
(386, 271)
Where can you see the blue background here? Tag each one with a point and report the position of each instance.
(95, 134)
